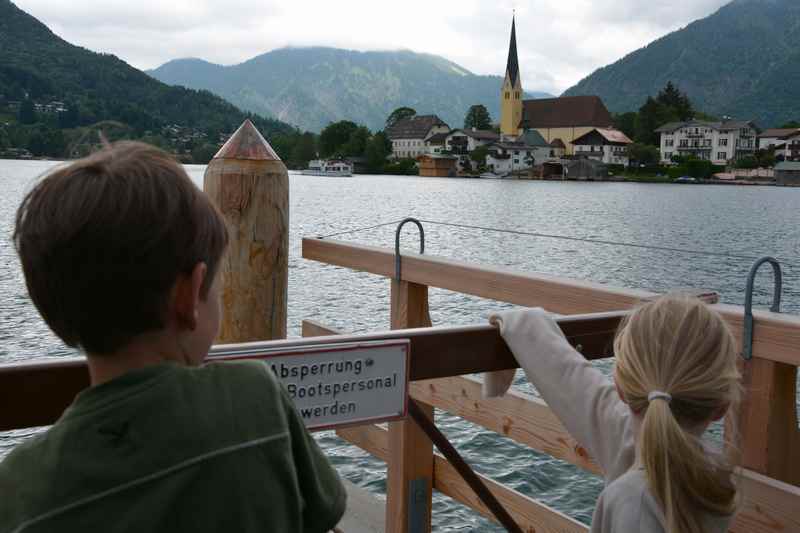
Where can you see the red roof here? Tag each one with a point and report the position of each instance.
(565, 112)
(611, 135)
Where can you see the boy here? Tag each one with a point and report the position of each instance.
(120, 253)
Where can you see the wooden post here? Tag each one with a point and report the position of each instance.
(410, 465)
(250, 185)
(769, 437)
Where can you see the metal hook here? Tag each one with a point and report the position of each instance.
(397, 243)
(747, 341)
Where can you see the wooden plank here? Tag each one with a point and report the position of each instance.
(409, 479)
(435, 352)
(530, 514)
(310, 328)
(523, 418)
(769, 506)
(769, 436)
(776, 335)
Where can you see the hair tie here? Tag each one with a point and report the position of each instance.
(659, 395)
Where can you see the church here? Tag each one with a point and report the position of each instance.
(562, 119)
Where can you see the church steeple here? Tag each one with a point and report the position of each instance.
(511, 91)
(512, 65)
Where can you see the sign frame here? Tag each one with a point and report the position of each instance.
(252, 351)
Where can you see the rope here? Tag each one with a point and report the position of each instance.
(790, 262)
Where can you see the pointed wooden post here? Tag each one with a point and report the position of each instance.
(410, 466)
(250, 185)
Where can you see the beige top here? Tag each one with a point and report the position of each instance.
(588, 405)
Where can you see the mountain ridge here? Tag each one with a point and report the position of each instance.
(294, 84)
(741, 61)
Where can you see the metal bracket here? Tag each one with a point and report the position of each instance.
(405, 221)
(417, 505)
(747, 341)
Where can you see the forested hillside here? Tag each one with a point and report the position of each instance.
(54, 97)
(743, 61)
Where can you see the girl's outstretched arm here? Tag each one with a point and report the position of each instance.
(583, 398)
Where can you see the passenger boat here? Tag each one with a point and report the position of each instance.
(329, 167)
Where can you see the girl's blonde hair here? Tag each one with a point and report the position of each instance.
(677, 345)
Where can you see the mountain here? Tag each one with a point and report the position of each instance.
(742, 61)
(311, 87)
(36, 66)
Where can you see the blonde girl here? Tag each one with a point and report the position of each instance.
(675, 374)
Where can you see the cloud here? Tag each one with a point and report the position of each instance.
(559, 42)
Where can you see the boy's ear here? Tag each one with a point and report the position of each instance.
(187, 296)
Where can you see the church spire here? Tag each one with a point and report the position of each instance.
(512, 65)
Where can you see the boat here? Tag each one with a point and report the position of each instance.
(329, 167)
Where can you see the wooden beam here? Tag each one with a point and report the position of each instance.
(776, 336)
(530, 514)
(409, 479)
(768, 505)
(523, 418)
(527, 512)
(768, 432)
(41, 390)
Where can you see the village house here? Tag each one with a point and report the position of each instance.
(558, 148)
(784, 142)
(435, 145)
(718, 142)
(465, 141)
(522, 153)
(769, 139)
(565, 118)
(789, 150)
(608, 146)
(409, 135)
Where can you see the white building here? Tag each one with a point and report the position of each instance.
(435, 144)
(606, 145)
(528, 150)
(462, 142)
(409, 135)
(771, 138)
(789, 148)
(718, 142)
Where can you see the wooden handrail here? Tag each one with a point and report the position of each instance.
(776, 336)
(40, 391)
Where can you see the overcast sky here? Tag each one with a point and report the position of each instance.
(560, 41)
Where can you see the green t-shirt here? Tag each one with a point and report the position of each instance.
(167, 448)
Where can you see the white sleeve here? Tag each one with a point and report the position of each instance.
(584, 400)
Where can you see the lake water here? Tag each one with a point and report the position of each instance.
(751, 221)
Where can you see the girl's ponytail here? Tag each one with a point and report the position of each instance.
(680, 474)
(676, 366)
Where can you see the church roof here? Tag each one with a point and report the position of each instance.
(416, 127)
(565, 112)
(512, 65)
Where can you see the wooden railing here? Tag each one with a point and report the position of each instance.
(37, 393)
(767, 421)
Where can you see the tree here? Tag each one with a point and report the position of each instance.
(792, 124)
(399, 114)
(378, 149)
(27, 112)
(357, 143)
(69, 118)
(678, 102)
(305, 149)
(643, 154)
(478, 117)
(333, 138)
(479, 155)
(626, 123)
(203, 153)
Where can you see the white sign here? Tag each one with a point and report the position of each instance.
(335, 385)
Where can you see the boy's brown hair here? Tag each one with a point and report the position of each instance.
(103, 240)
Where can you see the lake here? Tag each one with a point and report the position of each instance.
(750, 221)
